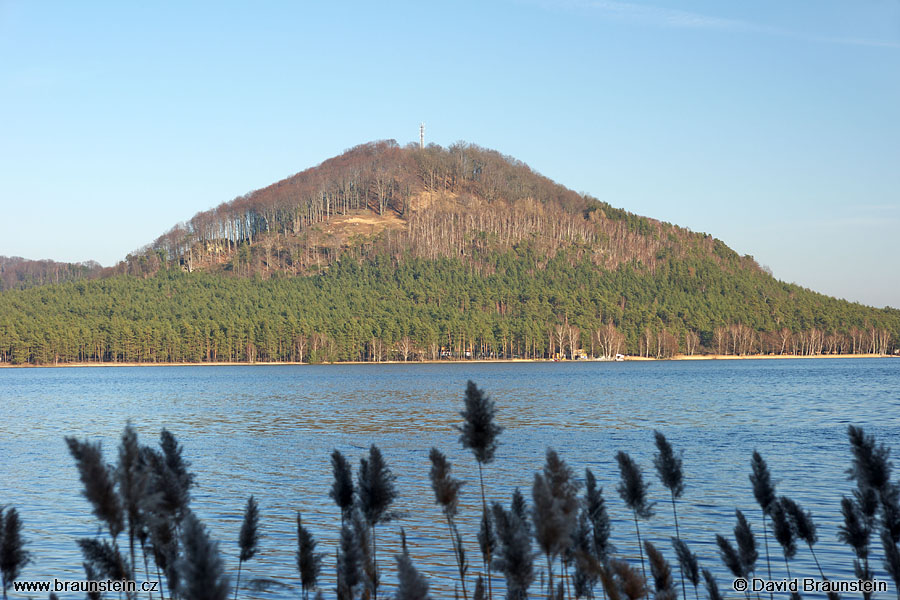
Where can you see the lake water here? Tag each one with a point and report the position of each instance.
(269, 431)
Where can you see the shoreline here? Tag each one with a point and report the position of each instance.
(677, 357)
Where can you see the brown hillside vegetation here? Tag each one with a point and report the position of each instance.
(430, 203)
(20, 273)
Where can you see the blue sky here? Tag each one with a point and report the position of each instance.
(773, 125)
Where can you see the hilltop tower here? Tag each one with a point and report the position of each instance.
(422, 136)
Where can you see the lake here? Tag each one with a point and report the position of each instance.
(269, 431)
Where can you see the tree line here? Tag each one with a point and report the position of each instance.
(522, 305)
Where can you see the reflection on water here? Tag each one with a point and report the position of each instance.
(269, 430)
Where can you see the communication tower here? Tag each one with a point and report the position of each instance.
(422, 136)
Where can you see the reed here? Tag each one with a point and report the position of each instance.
(663, 583)
(150, 488)
(98, 480)
(348, 564)
(105, 558)
(784, 533)
(514, 557)
(622, 582)
(690, 566)
(487, 543)
(856, 532)
(712, 587)
(670, 471)
(201, 572)
(412, 585)
(889, 499)
(555, 510)
(479, 433)
(309, 562)
(479, 593)
(91, 575)
(13, 556)
(891, 559)
(175, 461)
(248, 539)
(804, 527)
(131, 477)
(764, 492)
(376, 492)
(746, 543)
(871, 466)
(633, 491)
(342, 487)
(446, 493)
(595, 507)
(583, 580)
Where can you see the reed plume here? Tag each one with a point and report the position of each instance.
(91, 575)
(583, 581)
(620, 579)
(248, 540)
(99, 484)
(669, 468)
(555, 510)
(889, 499)
(348, 564)
(342, 486)
(171, 497)
(412, 585)
(712, 587)
(13, 556)
(445, 486)
(480, 593)
(369, 576)
(871, 467)
(856, 532)
(606, 575)
(633, 491)
(376, 492)
(891, 560)
(519, 506)
(446, 493)
(662, 574)
(690, 566)
(479, 434)
(804, 527)
(172, 450)
(514, 556)
(166, 503)
(104, 558)
(784, 533)
(730, 557)
(309, 562)
(595, 506)
(200, 569)
(764, 492)
(487, 543)
(132, 479)
(746, 543)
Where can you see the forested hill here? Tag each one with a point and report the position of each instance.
(405, 253)
(20, 273)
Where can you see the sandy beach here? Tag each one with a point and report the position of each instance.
(432, 362)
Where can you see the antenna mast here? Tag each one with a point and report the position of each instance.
(422, 136)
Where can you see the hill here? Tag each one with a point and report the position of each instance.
(389, 252)
(20, 273)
